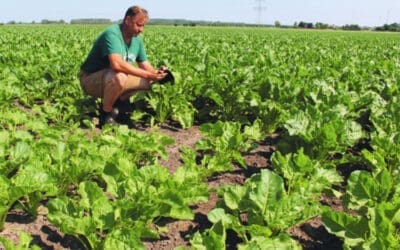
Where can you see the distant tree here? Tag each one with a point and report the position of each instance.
(12, 22)
(46, 21)
(91, 21)
(305, 25)
(394, 27)
(277, 24)
(190, 24)
(319, 25)
(355, 27)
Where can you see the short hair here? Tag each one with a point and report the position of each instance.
(134, 10)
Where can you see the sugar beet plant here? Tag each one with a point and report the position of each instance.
(224, 144)
(261, 211)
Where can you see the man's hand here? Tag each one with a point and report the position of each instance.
(162, 69)
(156, 76)
(169, 77)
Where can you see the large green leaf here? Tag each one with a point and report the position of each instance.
(354, 230)
(263, 193)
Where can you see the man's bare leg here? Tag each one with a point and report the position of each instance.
(134, 85)
(120, 85)
(113, 87)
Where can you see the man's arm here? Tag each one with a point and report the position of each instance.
(146, 71)
(146, 65)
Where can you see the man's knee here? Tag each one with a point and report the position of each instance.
(120, 79)
(117, 79)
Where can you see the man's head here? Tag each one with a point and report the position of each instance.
(136, 10)
(135, 19)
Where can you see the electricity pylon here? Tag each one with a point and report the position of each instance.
(260, 8)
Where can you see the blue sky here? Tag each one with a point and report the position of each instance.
(338, 12)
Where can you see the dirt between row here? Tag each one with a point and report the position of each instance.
(311, 234)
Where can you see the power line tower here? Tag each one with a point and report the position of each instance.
(260, 8)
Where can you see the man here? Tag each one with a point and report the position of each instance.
(109, 73)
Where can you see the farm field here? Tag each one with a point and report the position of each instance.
(269, 139)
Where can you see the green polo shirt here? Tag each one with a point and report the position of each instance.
(111, 41)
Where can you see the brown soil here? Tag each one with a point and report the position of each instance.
(312, 235)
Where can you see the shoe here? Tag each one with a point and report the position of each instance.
(121, 104)
(123, 108)
(108, 117)
(168, 78)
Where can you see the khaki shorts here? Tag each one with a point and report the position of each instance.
(95, 83)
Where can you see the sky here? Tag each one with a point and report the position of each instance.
(335, 12)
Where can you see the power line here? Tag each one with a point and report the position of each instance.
(259, 8)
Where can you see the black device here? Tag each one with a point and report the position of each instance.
(168, 78)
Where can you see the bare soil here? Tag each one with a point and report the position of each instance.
(311, 234)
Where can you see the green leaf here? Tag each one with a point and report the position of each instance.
(183, 114)
(360, 190)
(381, 230)
(264, 192)
(123, 239)
(173, 205)
(353, 230)
(33, 178)
(352, 133)
(255, 131)
(24, 242)
(298, 125)
(20, 153)
(258, 230)
(233, 195)
(374, 159)
(328, 135)
(392, 210)
(385, 182)
(71, 219)
(218, 215)
(281, 242)
(94, 200)
(213, 238)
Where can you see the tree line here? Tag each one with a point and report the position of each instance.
(394, 27)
